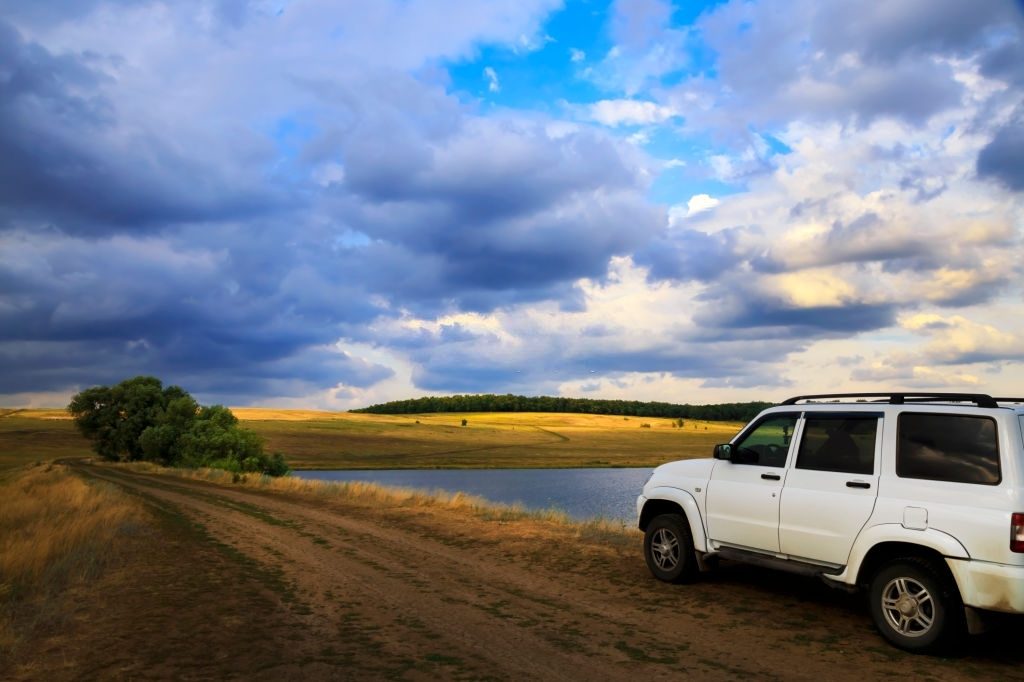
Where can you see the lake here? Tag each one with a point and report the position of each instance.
(580, 493)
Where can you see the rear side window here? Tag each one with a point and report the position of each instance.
(838, 443)
(946, 447)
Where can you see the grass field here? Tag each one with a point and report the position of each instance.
(55, 529)
(313, 440)
(37, 435)
(340, 440)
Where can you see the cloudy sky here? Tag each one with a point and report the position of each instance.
(330, 204)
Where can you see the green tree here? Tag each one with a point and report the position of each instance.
(139, 419)
(114, 417)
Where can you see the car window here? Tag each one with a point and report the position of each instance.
(947, 447)
(843, 443)
(768, 443)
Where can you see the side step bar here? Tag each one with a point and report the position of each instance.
(768, 561)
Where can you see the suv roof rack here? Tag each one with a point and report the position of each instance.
(979, 399)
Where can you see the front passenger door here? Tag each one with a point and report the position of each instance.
(743, 494)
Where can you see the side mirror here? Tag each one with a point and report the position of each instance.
(723, 451)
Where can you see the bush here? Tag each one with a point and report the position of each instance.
(138, 419)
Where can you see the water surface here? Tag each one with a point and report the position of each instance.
(581, 493)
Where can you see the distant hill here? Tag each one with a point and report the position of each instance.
(519, 403)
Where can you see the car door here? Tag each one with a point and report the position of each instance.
(743, 493)
(831, 486)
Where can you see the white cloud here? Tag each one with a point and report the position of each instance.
(922, 377)
(956, 339)
(639, 138)
(618, 112)
(699, 203)
(647, 47)
(493, 85)
(576, 56)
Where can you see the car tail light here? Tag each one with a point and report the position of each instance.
(1017, 533)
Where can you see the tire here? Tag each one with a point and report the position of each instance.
(916, 605)
(668, 549)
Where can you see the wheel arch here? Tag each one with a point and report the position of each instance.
(886, 552)
(879, 544)
(664, 500)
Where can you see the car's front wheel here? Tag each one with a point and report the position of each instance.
(915, 604)
(668, 548)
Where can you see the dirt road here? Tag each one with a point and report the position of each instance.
(269, 585)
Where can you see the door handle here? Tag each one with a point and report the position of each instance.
(772, 477)
(858, 484)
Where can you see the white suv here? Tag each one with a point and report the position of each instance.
(917, 498)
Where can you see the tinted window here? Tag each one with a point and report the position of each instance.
(943, 447)
(767, 444)
(838, 443)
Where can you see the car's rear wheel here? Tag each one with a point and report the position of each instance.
(915, 604)
(668, 548)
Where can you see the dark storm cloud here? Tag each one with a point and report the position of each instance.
(479, 368)
(461, 376)
(887, 32)
(1002, 159)
(211, 252)
(853, 61)
(240, 298)
(685, 254)
(486, 171)
(86, 312)
(419, 339)
(485, 213)
(63, 160)
(1006, 61)
(60, 365)
(748, 314)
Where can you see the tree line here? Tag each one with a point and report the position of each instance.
(518, 403)
(140, 419)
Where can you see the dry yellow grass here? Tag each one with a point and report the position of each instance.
(54, 527)
(325, 440)
(36, 413)
(497, 420)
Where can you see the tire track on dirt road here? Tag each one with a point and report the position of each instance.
(402, 600)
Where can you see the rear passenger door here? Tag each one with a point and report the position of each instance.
(831, 486)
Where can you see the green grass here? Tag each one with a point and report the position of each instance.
(329, 440)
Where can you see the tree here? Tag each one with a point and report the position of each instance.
(139, 419)
(114, 417)
(516, 403)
